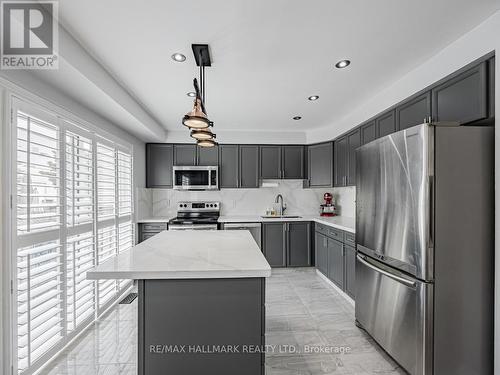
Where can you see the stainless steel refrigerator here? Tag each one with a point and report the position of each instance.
(425, 241)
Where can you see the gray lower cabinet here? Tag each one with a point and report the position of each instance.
(320, 165)
(274, 244)
(148, 230)
(335, 257)
(336, 262)
(350, 270)
(270, 162)
(287, 244)
(207, 156)
(249, 166)
(298, 244)
(463, 98)
(414, 111)
(321, 253)
(184, 154)
(159, 162)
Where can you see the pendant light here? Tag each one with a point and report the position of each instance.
(206, 143)
(197, 120)
(202, 134)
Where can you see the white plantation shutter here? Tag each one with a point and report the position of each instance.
(73, 209)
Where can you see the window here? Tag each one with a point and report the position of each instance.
(73, 209)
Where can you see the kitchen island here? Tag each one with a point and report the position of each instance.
(201, 301)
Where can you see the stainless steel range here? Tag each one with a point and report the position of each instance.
(196, 216)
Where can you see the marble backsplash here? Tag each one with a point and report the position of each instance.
(163, 202)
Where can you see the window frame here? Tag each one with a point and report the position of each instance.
(64, 121)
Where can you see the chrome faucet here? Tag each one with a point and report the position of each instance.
(279, 199)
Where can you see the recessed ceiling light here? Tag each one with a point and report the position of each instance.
(342, 64)
(191, 94)
(179, 57)
(314, 97)
(297, 118)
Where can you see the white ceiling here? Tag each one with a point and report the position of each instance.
(268, 56)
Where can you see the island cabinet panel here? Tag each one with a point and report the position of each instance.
(368, 132)
(249, 166)
(229, 166)
(201, 314)
(336, 262)
(350, 270)
(298, 244)
(274, 244)
(292, 161)
(386, 123)
(413, 112)
(270, 162)
(463, 98)
(184, 155)
(321, 257)
(320, 165)
(159, 162)
(207, 156)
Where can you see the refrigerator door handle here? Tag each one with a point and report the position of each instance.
(402, 280)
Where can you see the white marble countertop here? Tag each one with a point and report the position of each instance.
(340, 222)
(158, 219)
(188, 255)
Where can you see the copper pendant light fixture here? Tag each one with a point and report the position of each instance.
(197, 120)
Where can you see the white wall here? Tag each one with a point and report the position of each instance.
(478, 42)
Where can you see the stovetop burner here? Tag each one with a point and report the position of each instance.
(193, 213)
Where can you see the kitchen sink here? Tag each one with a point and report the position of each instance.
(282, 217)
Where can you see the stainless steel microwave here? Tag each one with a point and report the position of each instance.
(196, 177)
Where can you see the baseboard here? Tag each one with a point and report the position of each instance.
(337, 289)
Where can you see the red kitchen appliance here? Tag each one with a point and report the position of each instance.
(328, 208)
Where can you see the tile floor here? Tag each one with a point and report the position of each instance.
(302, 311)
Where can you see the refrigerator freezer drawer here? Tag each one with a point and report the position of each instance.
(396, 310)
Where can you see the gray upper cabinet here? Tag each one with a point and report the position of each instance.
(298, 244)
(463, 98)
(368, 132)
(353, 142)
(336, 262)
(274, 244)
(491, 86)
(293, 162)
(270, 162)
(321, 253)
(249, 166)
(350, 270)
(229, 166)
(386, 124)
(320, 168)
(159, 162)
(414, 111)
(208, 156)
(184, 155)
(340, 147)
